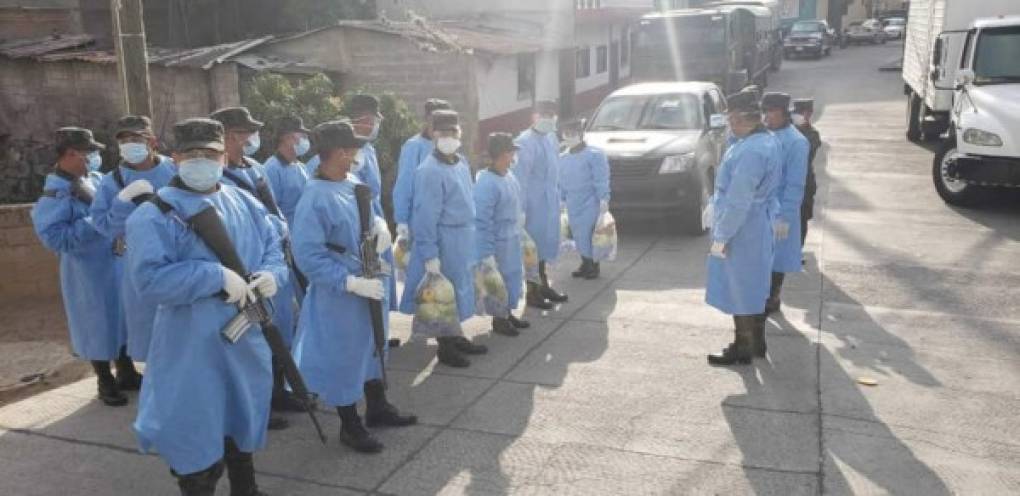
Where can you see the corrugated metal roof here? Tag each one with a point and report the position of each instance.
(35, 47)
(447, 36)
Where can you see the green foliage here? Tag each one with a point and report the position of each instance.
(272, 96)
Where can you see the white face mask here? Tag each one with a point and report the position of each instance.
(359, 161)
(798, 120)
(302, 146)
(545, 125)
(448, 145)
(252, 145)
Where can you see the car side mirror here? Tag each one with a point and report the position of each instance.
(717, 121)
(965, 77)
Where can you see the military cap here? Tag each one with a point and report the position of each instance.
(198, 133)
(742, 102)
(546, 107)
(775, 101)
(139, 125)
(78, 138)
(363, 104)
(802, 105)
(334, 135)
(573, 125)
(753, 89)
(291, 124)
(236, 118)
(500, 143)
(434, 104)
(445, 120)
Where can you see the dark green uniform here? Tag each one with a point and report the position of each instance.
(807, 207)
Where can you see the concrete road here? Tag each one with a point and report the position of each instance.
(610, 394)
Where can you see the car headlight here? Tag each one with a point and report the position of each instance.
(674, 164)
(979, 137)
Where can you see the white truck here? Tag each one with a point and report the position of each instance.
(967, 89)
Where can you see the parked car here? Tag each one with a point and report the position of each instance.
(869, 31)
(813, 38)
(664, 142)
(895, 27)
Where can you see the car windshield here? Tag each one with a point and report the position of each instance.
(895, 22)
(995, 58)
(806, 27)
(635, 112)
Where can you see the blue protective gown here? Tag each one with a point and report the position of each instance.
(198, 387)
(584, 182)
(109, 214)
(443, 224)
(414, 151)
(248, 177)
(334, 348)
(794, 149)
(497, 209)
(312, 165)
(370, 175)
(88, 278)
(747, 179)
(287, 181)
(536, 170)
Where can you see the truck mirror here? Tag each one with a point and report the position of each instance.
(965, 77)
(717, 121)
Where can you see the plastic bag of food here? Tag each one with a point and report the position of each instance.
(401, 255)
(529, 252)
(491, 297)
(567, 244)
(435, 312)
(603, 240)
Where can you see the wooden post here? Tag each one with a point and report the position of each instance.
(132, 58)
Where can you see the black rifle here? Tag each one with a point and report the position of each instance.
(371, 268)
(208, 226)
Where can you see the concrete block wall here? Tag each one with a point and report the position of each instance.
(30, 270)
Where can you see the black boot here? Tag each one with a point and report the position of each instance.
(773, 304)
(582, 270)
(128, 378)
(596, 271)
(283, 400)
(535, 299)
(353, 434)
(518, 323)
(449, 355)
(546, 290)
(739, 351)
(109, 392)
(200, 483)
(504, 327)
(588, 270)
(465, 346)
(381, 413)
(240, 471)
(758, 346)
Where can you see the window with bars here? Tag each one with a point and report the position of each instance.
(602, 59)
(583, 67)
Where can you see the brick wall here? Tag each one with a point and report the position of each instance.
(37, 98)
(30, 271)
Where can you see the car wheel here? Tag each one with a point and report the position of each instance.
(914, 104)
(690, 217)
(952, 191)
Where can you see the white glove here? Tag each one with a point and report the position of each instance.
(718, 249)
(366, 288)
(402, 231)
(603, 207)
(708, 216)
(136, 188)
(432, 266)
(383, 240)
(264, 284)
(490, 261)
(236, 288)
(782, 229)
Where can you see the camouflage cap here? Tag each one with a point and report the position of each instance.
(335, 135)
(445, 120)
(291, 124)
(434, 104)
(78, 138)
(742, 102)
(198, 133)
(775, 101)
(138, 125)
(500, 143)
(236, 118)
(361, 104)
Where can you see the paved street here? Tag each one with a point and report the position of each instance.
(610, 395)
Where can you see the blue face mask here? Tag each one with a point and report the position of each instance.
(134, 153)
(200, 174)
(545, 125)
(302, 146)
(93, 161)
(252, 145)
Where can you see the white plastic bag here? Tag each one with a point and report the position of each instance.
(603, 240)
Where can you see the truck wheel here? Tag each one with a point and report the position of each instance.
(952, 191)
(690, 217)
(914, 104)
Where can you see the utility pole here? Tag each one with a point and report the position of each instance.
(132, 59)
